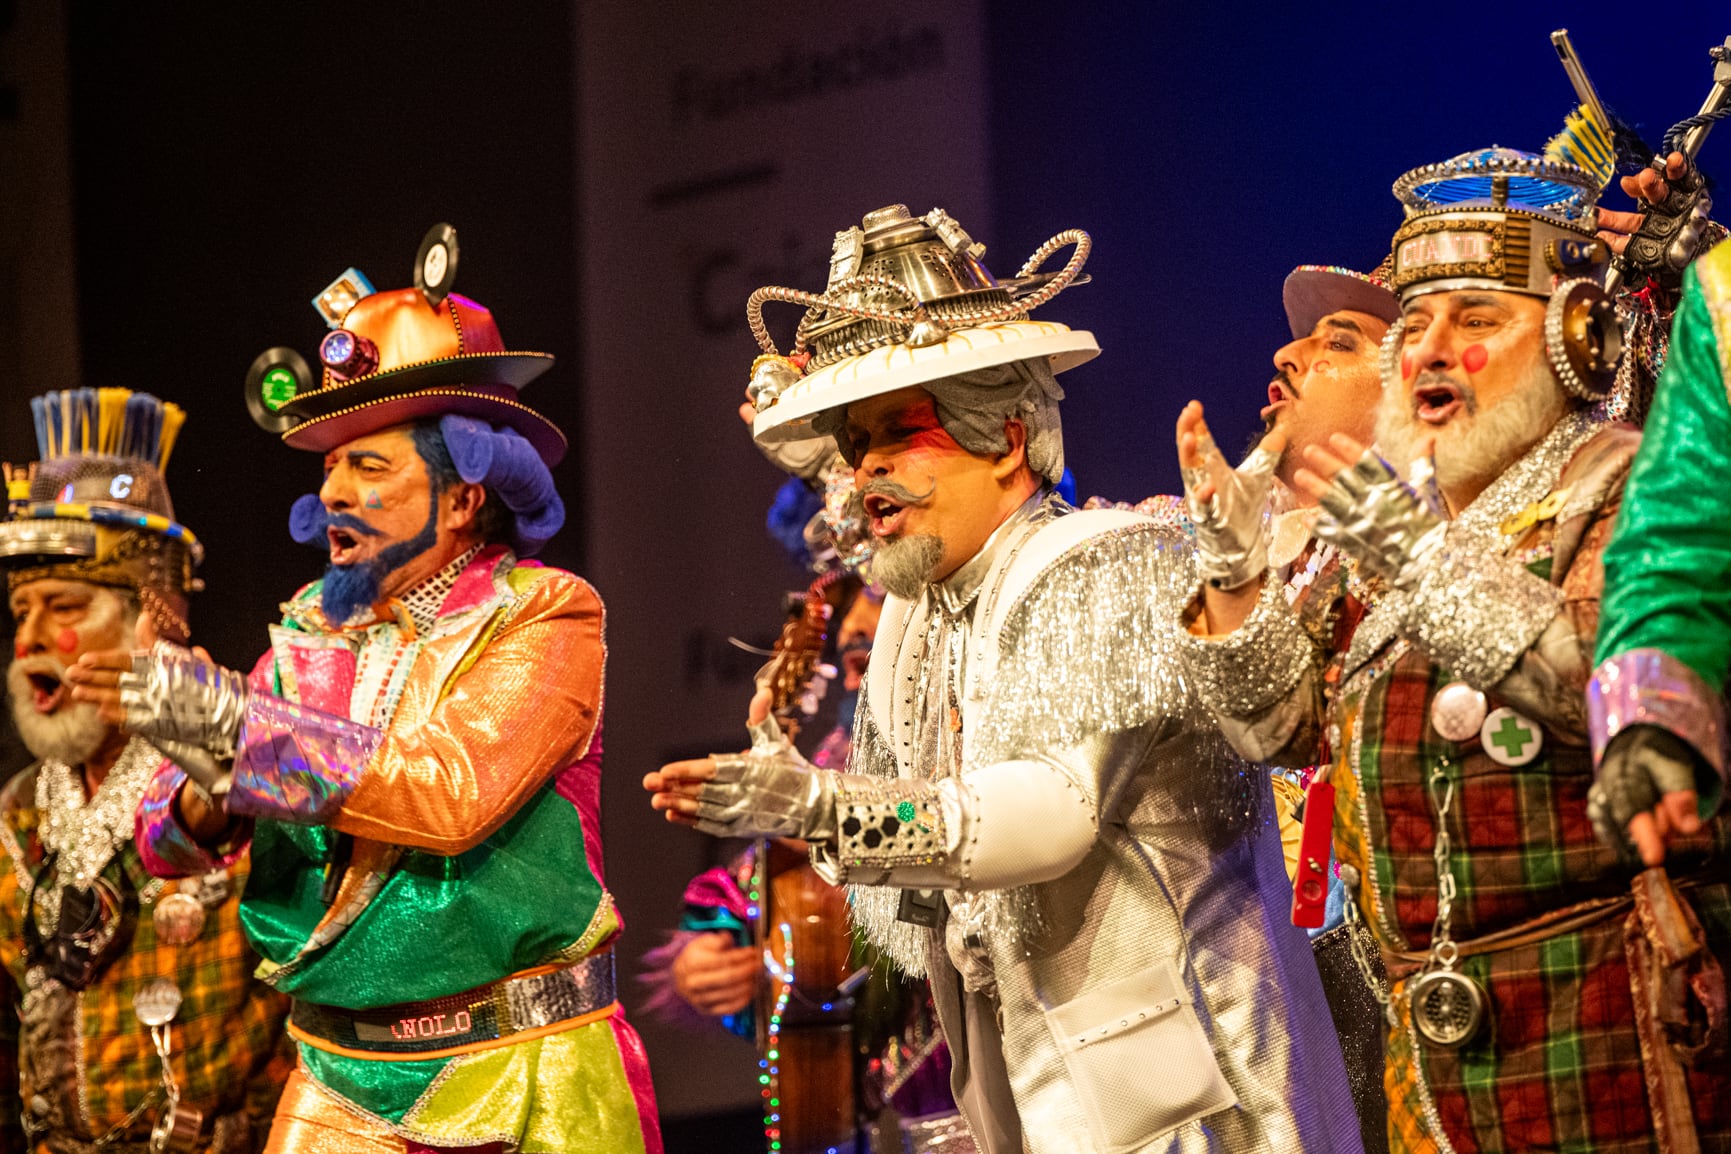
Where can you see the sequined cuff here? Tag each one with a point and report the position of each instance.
(1475, 614)
(1256, 665)
(297, 764)
(883, 823)
(1650, 687)
(164, 845)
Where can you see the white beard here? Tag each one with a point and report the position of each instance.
(905, 565)
(72, 734)
(1476, 446)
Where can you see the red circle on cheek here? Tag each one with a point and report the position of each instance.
(19, 651)
(66, 640)
(1473, 358)
(1405, 366)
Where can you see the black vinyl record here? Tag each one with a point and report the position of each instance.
(277, 376)
(436, 263)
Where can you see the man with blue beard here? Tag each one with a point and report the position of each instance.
(416, 761)
(1037, 814)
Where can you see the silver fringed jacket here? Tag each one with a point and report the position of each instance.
(1112, 959)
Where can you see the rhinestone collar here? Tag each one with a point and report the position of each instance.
(86, 834)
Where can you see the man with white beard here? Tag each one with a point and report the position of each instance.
(1453, 713)
(1036, 814)
(101, 952)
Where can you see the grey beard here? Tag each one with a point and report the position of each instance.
(72, 734)
(905, 565)
(1488, 442)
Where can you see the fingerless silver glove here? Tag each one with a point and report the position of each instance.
(1390, 527)
(1232, 526)
(188, 708)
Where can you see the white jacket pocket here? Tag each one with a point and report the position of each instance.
(1139, 1059)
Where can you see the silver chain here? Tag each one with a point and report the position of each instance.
(1443, 951)
(1356, 935)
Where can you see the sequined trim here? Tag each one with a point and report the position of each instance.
(885, 824)
(1254, 666)
(1476, 533)
(1650, 687)
(1356, 688)
(1475, 613)
(600, 924)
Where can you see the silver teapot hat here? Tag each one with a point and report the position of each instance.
(908, 303)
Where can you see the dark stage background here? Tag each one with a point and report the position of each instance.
(209, 167)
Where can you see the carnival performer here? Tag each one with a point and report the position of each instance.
(1326, 381)
(96, 952)
(1452, 713)
(1037, 814)
(416, 761)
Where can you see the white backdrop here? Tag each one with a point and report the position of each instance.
(720, 148)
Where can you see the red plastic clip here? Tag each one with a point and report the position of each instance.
(1310, 884)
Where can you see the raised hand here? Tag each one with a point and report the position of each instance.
(1228, 506)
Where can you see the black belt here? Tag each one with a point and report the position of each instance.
(485, 1014)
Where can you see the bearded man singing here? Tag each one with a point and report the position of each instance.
(101, 951)
(1453, 712)
(417, 758)
(1036, 814)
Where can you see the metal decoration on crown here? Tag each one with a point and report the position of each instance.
(95, 507)
(1510, 221)
(398, 356)
(908, 301)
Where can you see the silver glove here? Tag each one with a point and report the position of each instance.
(1641, 765)
(1391, 528)
(174, 696)
(1232, 526)
(767, 794)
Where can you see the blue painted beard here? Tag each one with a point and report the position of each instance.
(348, 588)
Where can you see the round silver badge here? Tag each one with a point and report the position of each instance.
(1457, 711)
(179, 919)
(157, 1002)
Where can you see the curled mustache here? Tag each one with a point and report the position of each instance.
(309, 520)
(894, 490)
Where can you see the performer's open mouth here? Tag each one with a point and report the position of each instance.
(1280, 397)
(1436, 404)
(886, 516)
(345, 546)
(46, 691)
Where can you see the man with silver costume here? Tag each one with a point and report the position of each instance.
(1038, 814)
(1452, 712)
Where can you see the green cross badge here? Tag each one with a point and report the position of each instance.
(1511, 739)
